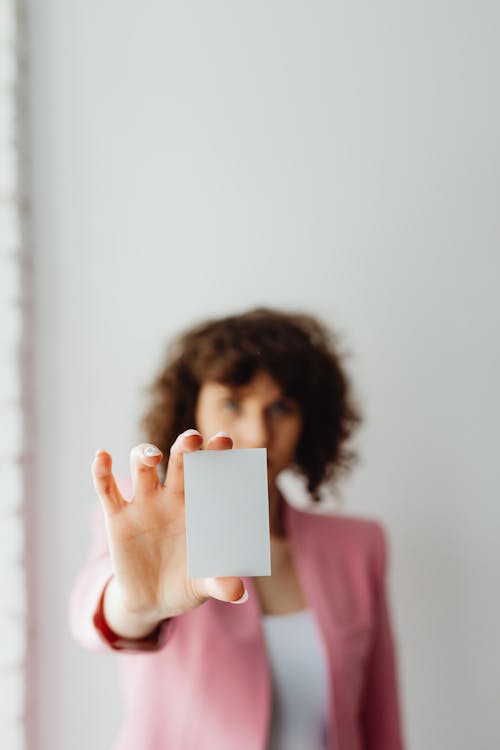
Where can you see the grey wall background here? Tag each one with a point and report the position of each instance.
(191, 159)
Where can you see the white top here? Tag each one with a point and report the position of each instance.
(300, 685)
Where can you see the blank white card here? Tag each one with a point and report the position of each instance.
(227, 513)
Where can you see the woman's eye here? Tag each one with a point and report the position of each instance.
(280, 407)
(231, 404)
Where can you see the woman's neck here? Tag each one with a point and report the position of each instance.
(276, 512)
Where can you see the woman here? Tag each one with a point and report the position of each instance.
(305, 660)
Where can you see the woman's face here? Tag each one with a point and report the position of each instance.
(255, 415)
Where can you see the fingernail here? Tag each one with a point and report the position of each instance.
(187, 433)
(222, 434)
(242, 598)
(151, 450)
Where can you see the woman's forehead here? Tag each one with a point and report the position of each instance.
(260, 383)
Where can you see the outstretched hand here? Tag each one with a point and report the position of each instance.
(147, 538)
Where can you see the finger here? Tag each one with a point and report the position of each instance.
(226, 589)
(219, 442)
(190, 440)
(144, 459)
(105, 483)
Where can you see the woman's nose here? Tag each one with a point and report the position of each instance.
(255, 434)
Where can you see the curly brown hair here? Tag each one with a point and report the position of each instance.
(299, 352)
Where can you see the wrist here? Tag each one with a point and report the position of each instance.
(123, 621)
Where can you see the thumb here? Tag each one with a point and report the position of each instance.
(226, 589)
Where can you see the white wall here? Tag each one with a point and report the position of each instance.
(191, 159)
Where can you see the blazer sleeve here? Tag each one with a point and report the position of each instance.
(381, 713)
(86, 619)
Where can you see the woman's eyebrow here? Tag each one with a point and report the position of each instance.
(240, 390)
(230, 390)
(289, 400)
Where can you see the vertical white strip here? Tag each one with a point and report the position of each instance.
(13, 628)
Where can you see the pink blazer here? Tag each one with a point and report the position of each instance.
(202, 680)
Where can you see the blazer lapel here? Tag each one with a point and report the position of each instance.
(302, 529)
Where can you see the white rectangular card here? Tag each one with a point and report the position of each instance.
(227, 513)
